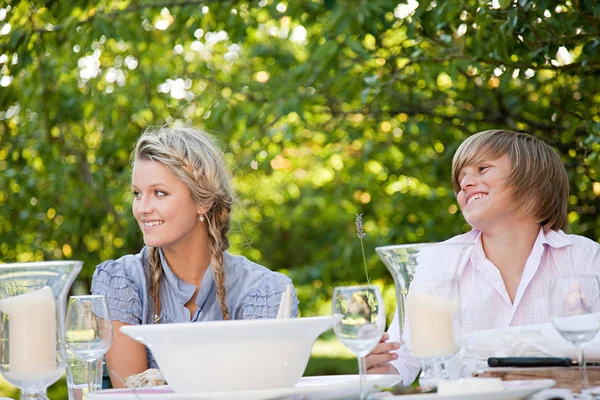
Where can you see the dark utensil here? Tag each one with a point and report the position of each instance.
(524, 362)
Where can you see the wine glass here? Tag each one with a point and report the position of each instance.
(360, 322)
(575, 311)
(88, 330)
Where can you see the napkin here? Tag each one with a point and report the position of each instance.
(285, 305)
(540, 340)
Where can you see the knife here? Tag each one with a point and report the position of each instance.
(523, 362)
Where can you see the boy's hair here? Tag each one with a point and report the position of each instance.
(538, 178)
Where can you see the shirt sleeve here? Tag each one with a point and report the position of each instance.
(263, 301)
(405, 364)
(407, 367)
(124, 302)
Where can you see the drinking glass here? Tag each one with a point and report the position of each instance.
(88, 335)
(575, 312)
(360, 322)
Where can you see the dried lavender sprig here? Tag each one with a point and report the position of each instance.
(361, 234)
(359, 226)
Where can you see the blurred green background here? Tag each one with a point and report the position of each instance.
(325, 108)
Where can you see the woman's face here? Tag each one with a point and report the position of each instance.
(484, 198)
(163, 206)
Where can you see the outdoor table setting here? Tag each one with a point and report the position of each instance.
(533, 352)
(266, 359)
(575, 322)
(249, 359)
(261, 359)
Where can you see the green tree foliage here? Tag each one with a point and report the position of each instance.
(326, 109)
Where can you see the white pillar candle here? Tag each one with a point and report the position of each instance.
(430, 324)
(32, 333)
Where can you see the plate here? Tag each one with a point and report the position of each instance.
(312, 388)
(513, 390)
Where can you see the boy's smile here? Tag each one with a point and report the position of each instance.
(475, 196)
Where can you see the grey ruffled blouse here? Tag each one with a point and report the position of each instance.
(252, 292)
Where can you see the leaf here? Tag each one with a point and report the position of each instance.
(358, 48)
(538, 51)
(504, 4)
(343, 23)
(371, 80)
(591, 49)
(326, 51)
(364, 95)
(16, 39)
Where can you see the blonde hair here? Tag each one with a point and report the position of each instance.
(194, 158)
(538, 177)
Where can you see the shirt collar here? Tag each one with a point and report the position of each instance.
(184, 290)
(477, 253)
(205, 287)
(554, 239)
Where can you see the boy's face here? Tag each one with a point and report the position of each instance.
(484, 199)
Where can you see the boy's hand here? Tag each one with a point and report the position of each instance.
(378, 361)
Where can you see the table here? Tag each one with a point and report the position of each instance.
(565, 377)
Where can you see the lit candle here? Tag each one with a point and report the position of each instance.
(32, 333)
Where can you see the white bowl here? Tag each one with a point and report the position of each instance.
(231, 355)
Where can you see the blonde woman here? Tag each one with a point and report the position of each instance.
(182, 201)
(513, 190)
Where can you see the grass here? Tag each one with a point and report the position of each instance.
(330, 357)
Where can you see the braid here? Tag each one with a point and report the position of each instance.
(217, 238)
(155, 276)
(219, 275)
(193, 157)
(195, 174)
(218, 225)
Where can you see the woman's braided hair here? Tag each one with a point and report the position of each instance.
(194, 158)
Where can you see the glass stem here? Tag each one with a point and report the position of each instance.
(33, 394)
(586, 384)
(90, 376)
(362, 372)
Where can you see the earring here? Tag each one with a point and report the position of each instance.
(201, 218)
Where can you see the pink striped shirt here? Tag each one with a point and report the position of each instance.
(485, 303)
